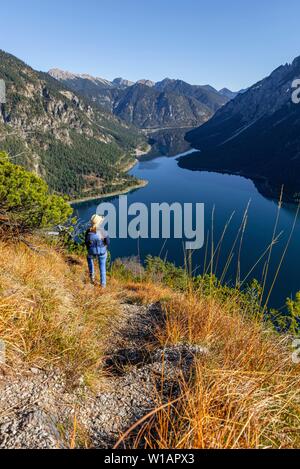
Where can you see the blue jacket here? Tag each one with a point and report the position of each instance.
(96, 246)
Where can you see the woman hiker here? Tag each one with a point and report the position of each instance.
(97, 242)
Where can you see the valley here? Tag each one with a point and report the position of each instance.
(82, 133)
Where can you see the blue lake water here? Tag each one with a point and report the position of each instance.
(224, 194)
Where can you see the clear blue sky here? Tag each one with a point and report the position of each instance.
(231, 43)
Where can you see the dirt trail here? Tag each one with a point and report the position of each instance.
(36, 409)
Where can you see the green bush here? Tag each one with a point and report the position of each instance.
(25, 201)
(293, 308)
(288, 320)
(167, 273)
(128, 269)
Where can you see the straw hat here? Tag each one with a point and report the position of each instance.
(96, 220)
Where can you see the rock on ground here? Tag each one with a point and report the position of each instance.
(38, 411)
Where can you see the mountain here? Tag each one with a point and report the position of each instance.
(256, 134)
(146, 82)
(206, 95)
(148, 108)
(77, 147)
(228, 93)
(122, 83)
(146, 104)
(62, 75)
(97, 90)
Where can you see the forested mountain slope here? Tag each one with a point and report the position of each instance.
(77, 147)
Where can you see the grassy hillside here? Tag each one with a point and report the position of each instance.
(159, 359)
(244, 393)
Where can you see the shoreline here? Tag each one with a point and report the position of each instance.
(126, 190)
(262, 183)
(138, 154)
(142, 182)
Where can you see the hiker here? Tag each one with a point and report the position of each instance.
(97, 242)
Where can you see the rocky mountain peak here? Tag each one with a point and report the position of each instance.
(122, 82)
(228, 93)
(59, 74)
(146, 82)
(62, 75)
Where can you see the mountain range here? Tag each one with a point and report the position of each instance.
(76, 146)
(257, 134)
(146, 104)
(80, 133)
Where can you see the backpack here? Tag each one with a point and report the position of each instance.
(95, 245)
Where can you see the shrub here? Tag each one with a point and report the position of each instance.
(25, 201)
(167, 273)
(293, 308)
(128, 268)
(288, 320)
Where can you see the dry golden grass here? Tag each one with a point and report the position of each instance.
(244, 394)
(144, 292)
(49, 314)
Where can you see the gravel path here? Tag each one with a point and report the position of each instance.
(37, 411)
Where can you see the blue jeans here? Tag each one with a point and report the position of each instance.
(102, 267)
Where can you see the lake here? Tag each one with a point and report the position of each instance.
(222, 194)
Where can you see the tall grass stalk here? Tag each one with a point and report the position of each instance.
(281, 259)
(231, 252)
(271, 246)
